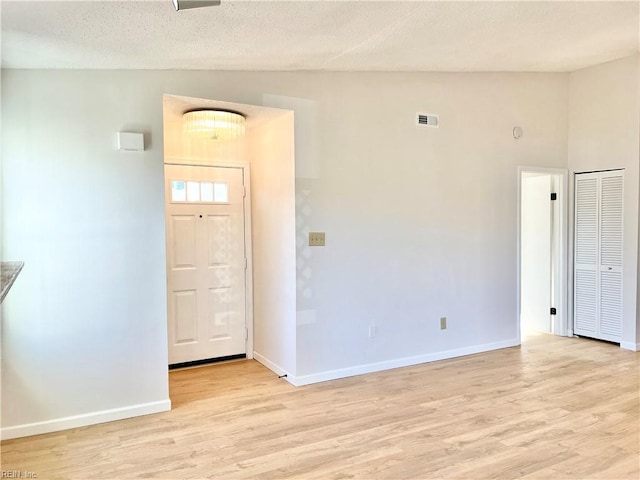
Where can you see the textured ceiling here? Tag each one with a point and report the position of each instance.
(319, 35)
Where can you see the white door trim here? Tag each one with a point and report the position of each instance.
(561, 290)
(246, 174)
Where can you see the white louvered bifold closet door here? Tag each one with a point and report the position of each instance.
(598, 255)
(586, 255)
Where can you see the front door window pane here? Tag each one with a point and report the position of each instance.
(178, 191)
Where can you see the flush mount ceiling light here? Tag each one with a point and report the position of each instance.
(187, 4)
(213, 124)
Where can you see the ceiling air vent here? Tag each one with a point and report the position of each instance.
(427, 120)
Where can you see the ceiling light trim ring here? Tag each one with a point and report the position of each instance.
(213, 123)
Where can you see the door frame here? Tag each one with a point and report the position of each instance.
(560, 325)
(248, 278)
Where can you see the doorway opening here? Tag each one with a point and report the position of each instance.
(542, 251)
(260, 166)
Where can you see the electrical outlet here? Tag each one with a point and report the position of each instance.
(443, 323)
(372, 331)
(316, 239)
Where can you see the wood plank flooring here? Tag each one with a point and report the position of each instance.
(555, 408)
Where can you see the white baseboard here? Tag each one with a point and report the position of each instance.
(634, 347)
(92, 418)
(402, 362)
(274, 367)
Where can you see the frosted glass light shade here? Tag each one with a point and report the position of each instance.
(213, 124)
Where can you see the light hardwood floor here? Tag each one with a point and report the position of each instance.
(554, 408)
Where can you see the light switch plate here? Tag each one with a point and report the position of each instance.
(316, 239)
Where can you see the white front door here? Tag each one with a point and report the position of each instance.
(206, 263)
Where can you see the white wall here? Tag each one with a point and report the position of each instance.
(420, 223)
(603, 134)
(84, 330)
(274, 266)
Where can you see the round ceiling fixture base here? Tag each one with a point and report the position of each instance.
(187, 4)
